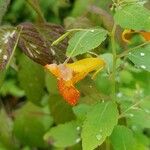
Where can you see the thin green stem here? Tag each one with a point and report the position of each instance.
(107, 144)
(37, 9)
(14, 48)
(114, 62)
(128, 50)
(62, 37)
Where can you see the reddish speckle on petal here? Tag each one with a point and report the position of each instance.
(69, 92)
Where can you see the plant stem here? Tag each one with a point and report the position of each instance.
(136, 47)
(114, 62)
(14, 48)
(107, 144)
(35, 5)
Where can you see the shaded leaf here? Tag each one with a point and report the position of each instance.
(81, 41)
(6, 136)
(140, 57)
(32, 79)
(134, 17)
(36, 40)
(98, 124)
(122, 139)
(31, 122)
(60, 110)
(81, 110)
(51, 84)
(10, 87)
(57, 135)
(3, 8)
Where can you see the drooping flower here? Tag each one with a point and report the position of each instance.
(69, 74)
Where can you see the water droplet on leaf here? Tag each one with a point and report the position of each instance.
(143, 67)
(78, 128)
(142, 54)
(78, 140)
(98, 136)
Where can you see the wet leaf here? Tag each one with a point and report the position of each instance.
(140, 57)
(35, 41)
(99, 124)
(57, 135)
(81, 41)
(6, 44)
(132, 16)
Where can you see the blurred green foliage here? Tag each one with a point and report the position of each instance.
(34, 116)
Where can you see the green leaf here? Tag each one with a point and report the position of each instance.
(6, 137)
(51, 84)
(140, 57)
(103, 83)
(99, 124)
(3, 8)
(134, 17)
(10, 87)
(81, 110)
(60, 110)
(140, 114)
(108, 58)
(63, 135)
(80, 7)
(85, 40)
(32, 79)
(122, 139)
(31, 122)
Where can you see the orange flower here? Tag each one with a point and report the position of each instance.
(69, 74)
(127, 35)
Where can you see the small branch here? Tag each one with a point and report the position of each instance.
(136, 47)
(114, 62)
(35, 5)
(14, 48)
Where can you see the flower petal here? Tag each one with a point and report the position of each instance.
(127, 35)
(69, 92)
(82, 67)
(146, 35)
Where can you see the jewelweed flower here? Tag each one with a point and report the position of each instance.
(127, 35)
(69, 74)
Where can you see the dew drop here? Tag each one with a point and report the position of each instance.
(5, 57)
(143, 67)
(142, 54)
(119, 95)
(92, 30)
(78, 140)
(147, 111)
(131, 115)
(78, 128)
(134, 127)
(98, 136)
